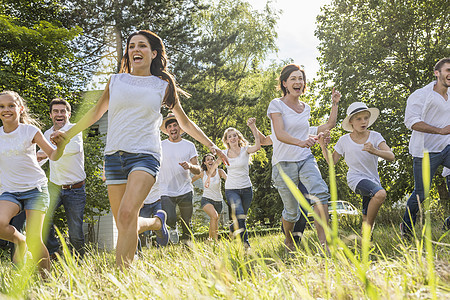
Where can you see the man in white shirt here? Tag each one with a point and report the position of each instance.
(179, 158)
(67, 181)
(427, 114)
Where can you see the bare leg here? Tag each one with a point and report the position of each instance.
(35, 222)
(8, 232)
(322, 211)
(213, 221)
(373, 207)
(126, 215)
(288, 227)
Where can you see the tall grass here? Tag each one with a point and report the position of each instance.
(385, 268)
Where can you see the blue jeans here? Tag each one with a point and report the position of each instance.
(74, 201)
(412, 206)
(184, 202)
(306, 172)
(148, 210)
(240, 200)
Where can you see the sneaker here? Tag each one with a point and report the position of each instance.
(173, 236)
(162, 235)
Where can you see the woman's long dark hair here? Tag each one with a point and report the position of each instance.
(158, 66)
(286, 72)
(204, 167)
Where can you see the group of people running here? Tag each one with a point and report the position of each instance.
(133, 99)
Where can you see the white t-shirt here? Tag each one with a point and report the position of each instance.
(426, 105)
(237, 171)
(213, 192)
(361, 164)
(445, 172)
(174, 179)
(296, 124)
(18, 161)
(69, 169)
(134, 114)
(154, 194)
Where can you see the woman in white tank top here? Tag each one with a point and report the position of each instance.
(134, 98)
(212, 200)
(238, 187)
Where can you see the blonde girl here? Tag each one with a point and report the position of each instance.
(238, 187)
(24, 183)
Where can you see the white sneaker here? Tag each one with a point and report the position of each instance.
(173, 236)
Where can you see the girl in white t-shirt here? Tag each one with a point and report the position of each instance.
(361, 149)
(212, 200)
(133, 99)
(24, 183)
(238, 187)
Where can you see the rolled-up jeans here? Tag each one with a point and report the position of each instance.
(240, 201)
(412, 206)
(307, 172)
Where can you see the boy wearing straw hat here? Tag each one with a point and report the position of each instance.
(361, 149)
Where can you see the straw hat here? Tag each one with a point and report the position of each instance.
(163, 125)
(355, 108)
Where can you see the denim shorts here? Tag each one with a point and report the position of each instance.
(218, 206)
(35, 199)
(120, 164)
(367, 189)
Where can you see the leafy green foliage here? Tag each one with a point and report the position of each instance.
(379, 52)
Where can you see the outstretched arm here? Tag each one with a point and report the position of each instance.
(197, 177)
(92, 116)
(336, 98)
(323, 145)
(193, 130)
(251, 122)
(52, 153)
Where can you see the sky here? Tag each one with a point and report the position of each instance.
(295, 30)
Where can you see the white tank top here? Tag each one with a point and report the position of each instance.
(134, 114)
(213, 192)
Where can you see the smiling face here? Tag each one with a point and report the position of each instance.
(59, 115)
(232, 137)
(10, 110)
(140, 55)
(295, 83)
(174, 131)
(360, 121)
(443, 75)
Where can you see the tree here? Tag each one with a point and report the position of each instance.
(379, 52)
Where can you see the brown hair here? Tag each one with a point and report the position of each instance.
(25, 117)
(440, 63)
(204, 168)
(286, 72)
(59, 101)
(158, 66)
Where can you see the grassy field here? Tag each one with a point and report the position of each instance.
(387, 268)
